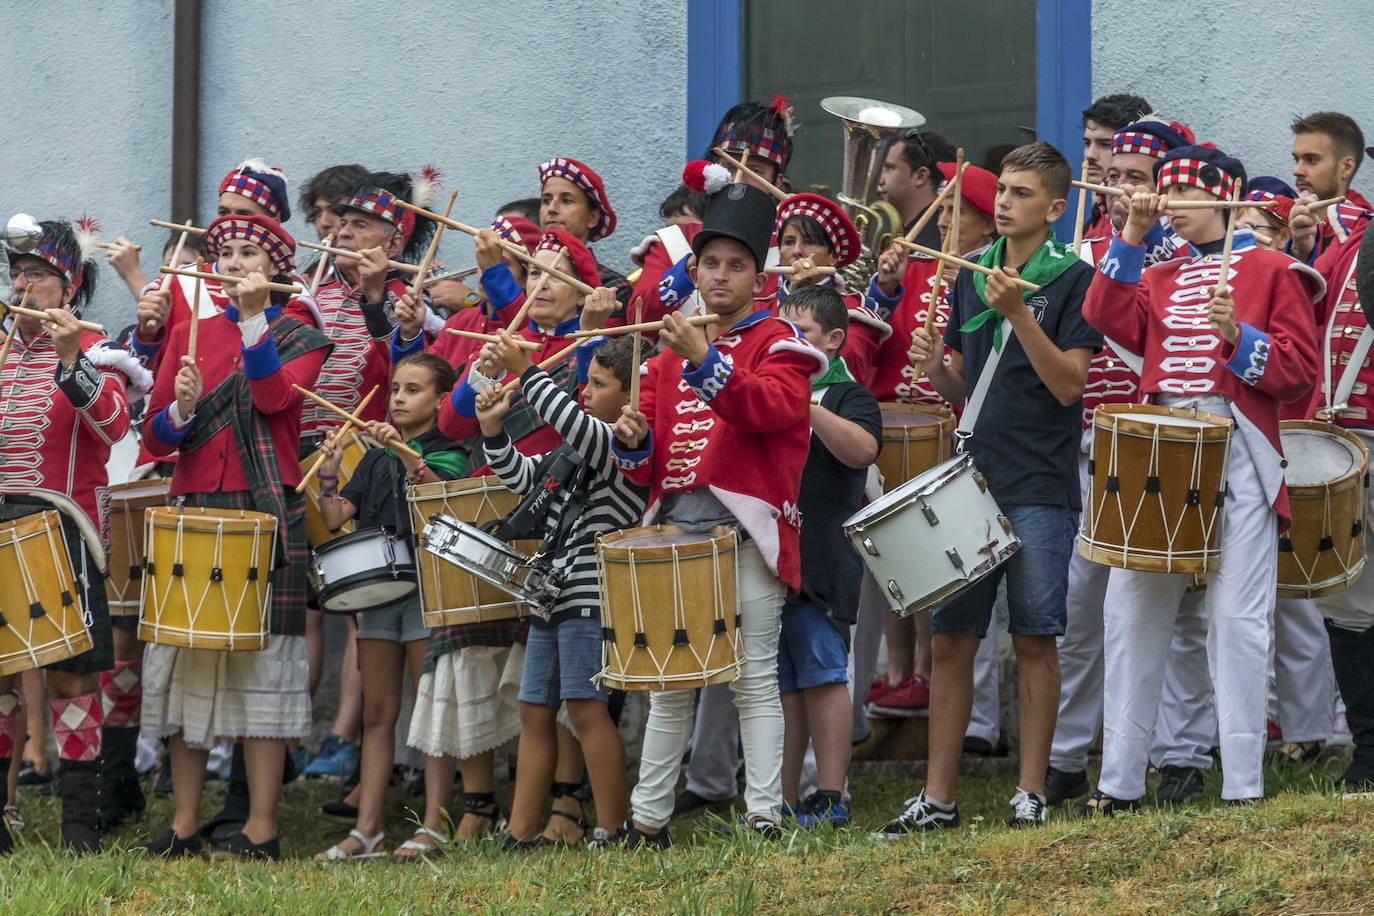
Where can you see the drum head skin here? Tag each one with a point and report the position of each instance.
(1315, 457)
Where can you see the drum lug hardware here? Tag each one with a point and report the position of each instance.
(929, 512)
(981, 481)
(1006, 523)
(870, 548)
(954, 558)
(895, 590)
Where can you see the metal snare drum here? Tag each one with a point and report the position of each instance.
(367, 569)
(489, 559)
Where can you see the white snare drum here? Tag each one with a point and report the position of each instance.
(933, 536)
(363, 570)
(488, 558)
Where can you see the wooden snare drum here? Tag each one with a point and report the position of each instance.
(207, 583)
(40, 598)
(1155, 501)
(450, 595)
(1327, 474)
(916, 438)
(669, 608)
(128, 503)
(317, 533)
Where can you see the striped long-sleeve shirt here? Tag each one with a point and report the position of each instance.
(613, 502)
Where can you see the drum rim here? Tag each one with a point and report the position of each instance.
(196, 516)
(361, 535)
(486, 538)
(1117, 418)
(943, 418)
(428, 492)
(720, 539)
(902, 494)
(403, 572)
(1336, 432)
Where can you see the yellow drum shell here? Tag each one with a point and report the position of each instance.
(916, 438)
(317, 533)
(39, 595)
(128, 502)
(1323, 551)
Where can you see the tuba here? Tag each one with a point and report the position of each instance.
(870, 127)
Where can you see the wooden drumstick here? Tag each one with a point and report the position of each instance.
(517, 251)
(319, 268)
(14, 327)
(195, 312)
(525, 306)
(544, 365)
(225, 278)
(742, 169)
(43, 316)
(175, 261)
(937, 280)
(111, 246)
(492, 338)
(334, 408)
(1323, 204)
(439, 228)
(1225, 270)
(1219, 204)
(337, 252)
(934, 207)
(1097, 188)
(334, 440)
(779, 270)
(955, 259)
(634, 355)
(1078, 212)
(645, 326)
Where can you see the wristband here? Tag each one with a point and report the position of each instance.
(323, 476)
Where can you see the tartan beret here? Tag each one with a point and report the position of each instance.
(1152, 138)
(517, 229)
(261, 183)
(841, 237)
(1204, 167)
(765, 131)
(583, 264)
(591, 185)
(262, 231)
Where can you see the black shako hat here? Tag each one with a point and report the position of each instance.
(741, 212)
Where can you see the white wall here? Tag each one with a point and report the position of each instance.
(1237, 72)
(486, 91)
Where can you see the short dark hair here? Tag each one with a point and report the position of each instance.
(683, 200)
(921, 149)
(1116, 111)
(528, 207)
(439, 369)
(824, 304)
(809, 229)
(617, 355)
(334, 183)
(1346, 137)
(1044, 160)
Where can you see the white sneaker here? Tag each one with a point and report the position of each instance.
(1027, 809)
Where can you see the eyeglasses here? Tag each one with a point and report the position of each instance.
(33, 274)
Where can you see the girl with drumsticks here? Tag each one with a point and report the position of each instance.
(1232, 336)
(563, 653)
(391, 638)
(225, 401)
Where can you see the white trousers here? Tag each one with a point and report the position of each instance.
(1186, 730)
(755, 692)
(1141, 609)
(1302, 683)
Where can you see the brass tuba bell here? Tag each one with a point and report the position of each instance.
(870, 127)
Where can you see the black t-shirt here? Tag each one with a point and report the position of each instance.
(1026, 443)
(377, 486)
(831, 492)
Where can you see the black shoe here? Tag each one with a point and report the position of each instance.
(1177, 785)
(1063, 785)
(978, 747)
(121, 793)
(1027, 809)
(234, 813)
(601, 839)
(171, 846)
(6, 841)
(921, 815)
(1242, 802)
(78, 784)
(1358, 777)
(340, 811)
(690, 801)
(29, 777)
(1100, 804)
(510, 844)
(240, 847)
(637, 839)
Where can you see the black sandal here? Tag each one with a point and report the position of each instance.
(569, 790)
(483, 805)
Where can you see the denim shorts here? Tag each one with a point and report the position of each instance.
(812, 651)
(400, 622)
(560, 662)
(1037, 579)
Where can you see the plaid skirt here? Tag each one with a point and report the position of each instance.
(290, 580)
(491, 634)
(100, 656)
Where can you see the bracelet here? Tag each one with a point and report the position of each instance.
(419, 471)
(323, 476)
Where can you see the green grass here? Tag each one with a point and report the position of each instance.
(1302, 850)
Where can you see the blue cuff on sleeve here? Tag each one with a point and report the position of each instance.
(710, 377)
(464, 399)
(1123, 263)
(584, 353)
(165, 432)
(628, 460)
(144, 351)
(260, 360)
(399, 350)
(1251, 356)
(500, 286)
(883, 304)
(676, 285)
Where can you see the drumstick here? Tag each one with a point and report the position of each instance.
(1322, 204)
(183, 228)
(634, 355)
(43, 316)
(492, 338)
(402, 266)
(937, 279)
(225, 278)
(1226, 248)
(545, 366)
(1078, 213)
(333, 440)
(110, 246)
(742, 168)
(195, 312)
(9, 338)
(645, 326)
(418, 285)
(955, 259)
(516, 250)
(186, 228)
(1097, 188)
(934, 207)
(525, 306)
(395, 446)
(319, 268)
(789, 271)
(1218, 204)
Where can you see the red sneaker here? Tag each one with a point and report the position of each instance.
(878, 690)
(1275, 734)
(906, 699)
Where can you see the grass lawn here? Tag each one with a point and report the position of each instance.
(1301, 851)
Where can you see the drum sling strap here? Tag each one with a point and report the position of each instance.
(974, 405)
(230, 403)
(564, 468)
(522, 419)
(1338, 399)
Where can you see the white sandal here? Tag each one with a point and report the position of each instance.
(420, 850)
(337, 853)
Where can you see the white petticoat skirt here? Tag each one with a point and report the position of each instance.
(468, 703)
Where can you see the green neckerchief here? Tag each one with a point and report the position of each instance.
(837, 372)
(1049, 261)
(452, 461)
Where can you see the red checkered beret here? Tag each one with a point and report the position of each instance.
(591, 185)
(262, 231)
(839, 229)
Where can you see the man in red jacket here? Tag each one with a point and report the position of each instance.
(721, 438)
(1241, 350)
